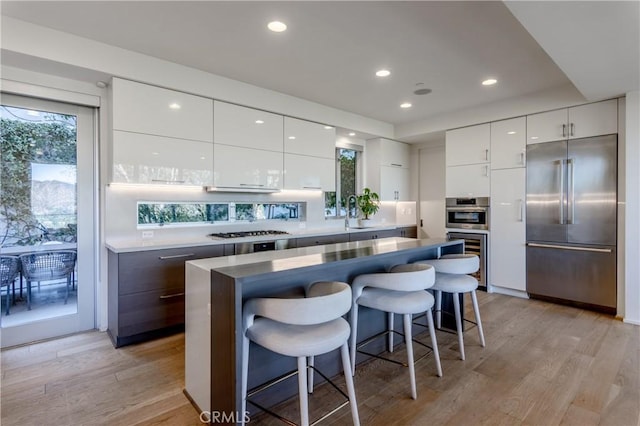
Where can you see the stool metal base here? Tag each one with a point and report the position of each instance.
(286, 376)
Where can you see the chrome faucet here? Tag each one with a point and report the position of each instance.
(355, 201)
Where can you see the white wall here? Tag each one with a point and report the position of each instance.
(632, 210)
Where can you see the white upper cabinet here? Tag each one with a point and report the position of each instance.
(152, 110)
(394, 183)
(309, 173)
(600, 118)
(394, 154)
(388, 169)
(246, 168)
(308, 138)
(468, 145)
(508, 143)
(140, 158)
(472, 180)
(596, 119)
(547, 126)
(247, 127)
(508, 231)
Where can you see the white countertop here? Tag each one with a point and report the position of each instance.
(133, 245)
(280, 260)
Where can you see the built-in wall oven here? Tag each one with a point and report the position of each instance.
(468, 213)
(474, 243)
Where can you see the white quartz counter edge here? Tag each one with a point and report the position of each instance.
(288, 255)
(133, 245)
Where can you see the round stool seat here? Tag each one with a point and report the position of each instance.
(299, 340)
(399, 302)
(463, 264)
(455, 283)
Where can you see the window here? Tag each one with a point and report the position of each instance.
(346, 183)
(194, 213)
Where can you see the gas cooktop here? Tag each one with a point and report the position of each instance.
(247, 234)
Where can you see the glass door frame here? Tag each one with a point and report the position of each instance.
(87, 237)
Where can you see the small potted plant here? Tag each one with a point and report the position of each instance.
(368, 204)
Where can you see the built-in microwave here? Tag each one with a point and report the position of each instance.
(468, 213)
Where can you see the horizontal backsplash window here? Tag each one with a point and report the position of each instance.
(166, 214)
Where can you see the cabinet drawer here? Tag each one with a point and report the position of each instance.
(150, 310)
(373, 235)
(323, 239)
(407, 232)
(158, 269)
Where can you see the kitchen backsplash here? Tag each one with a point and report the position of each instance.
(122, 211)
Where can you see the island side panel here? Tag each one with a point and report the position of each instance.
(198, 336)
(226, 344)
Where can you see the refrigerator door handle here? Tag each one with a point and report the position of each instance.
(571, 195)
(574, 248)
(564, 130)
(560, 164)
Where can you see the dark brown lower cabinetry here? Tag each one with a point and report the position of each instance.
(146, 291)
(146, 288)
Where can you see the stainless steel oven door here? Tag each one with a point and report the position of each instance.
(468, 217)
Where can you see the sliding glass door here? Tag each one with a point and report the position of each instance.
(47, 219)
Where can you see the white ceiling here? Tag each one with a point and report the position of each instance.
(331, 49)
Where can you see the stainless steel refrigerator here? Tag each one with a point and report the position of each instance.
(571, 221)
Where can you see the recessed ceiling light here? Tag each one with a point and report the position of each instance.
(259, 122)
(277, 26)
(511, 133)
(328, 127)
(175, 106)
(489, 82)
(383, 73)
(406, 105)
(534, 137)
(155, 153)
(33, 113)
(203, 158)
(292, 137)
(352, 134)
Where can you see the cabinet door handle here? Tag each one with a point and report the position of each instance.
(522, 158)
(169, 296)
(167, 181)
(571, 132)
(396, 165)
(252, 185)
(312, 187)
(176, 256)
(521, 211)
(486, 171)
(564, 130)
(486, 155)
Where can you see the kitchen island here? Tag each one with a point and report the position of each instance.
(216, 289)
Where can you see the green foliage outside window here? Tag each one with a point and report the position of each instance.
(47, 140)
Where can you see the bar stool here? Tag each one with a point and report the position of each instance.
(451, 277)
(301, 328)
(401, 291)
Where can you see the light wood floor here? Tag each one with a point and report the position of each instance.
(544, 365)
